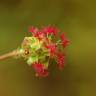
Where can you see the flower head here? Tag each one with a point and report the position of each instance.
(40, 47)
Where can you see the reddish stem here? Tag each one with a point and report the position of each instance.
(10, 54)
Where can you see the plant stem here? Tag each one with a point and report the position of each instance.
(10, 54)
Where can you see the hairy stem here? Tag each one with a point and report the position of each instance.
(10, 54)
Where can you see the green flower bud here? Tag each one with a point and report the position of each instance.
(32, 59)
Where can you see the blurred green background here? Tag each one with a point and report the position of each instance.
(78, 20)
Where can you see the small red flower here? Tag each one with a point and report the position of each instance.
(45, 73)
(65, 41)
(33, 30)
(50, 30)
(39, 35)
(62, 36)
(40, 70)
(52, 49)
(60, 60)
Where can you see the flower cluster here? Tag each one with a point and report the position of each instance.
(41, 47)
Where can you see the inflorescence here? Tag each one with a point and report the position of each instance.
(42, 47)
